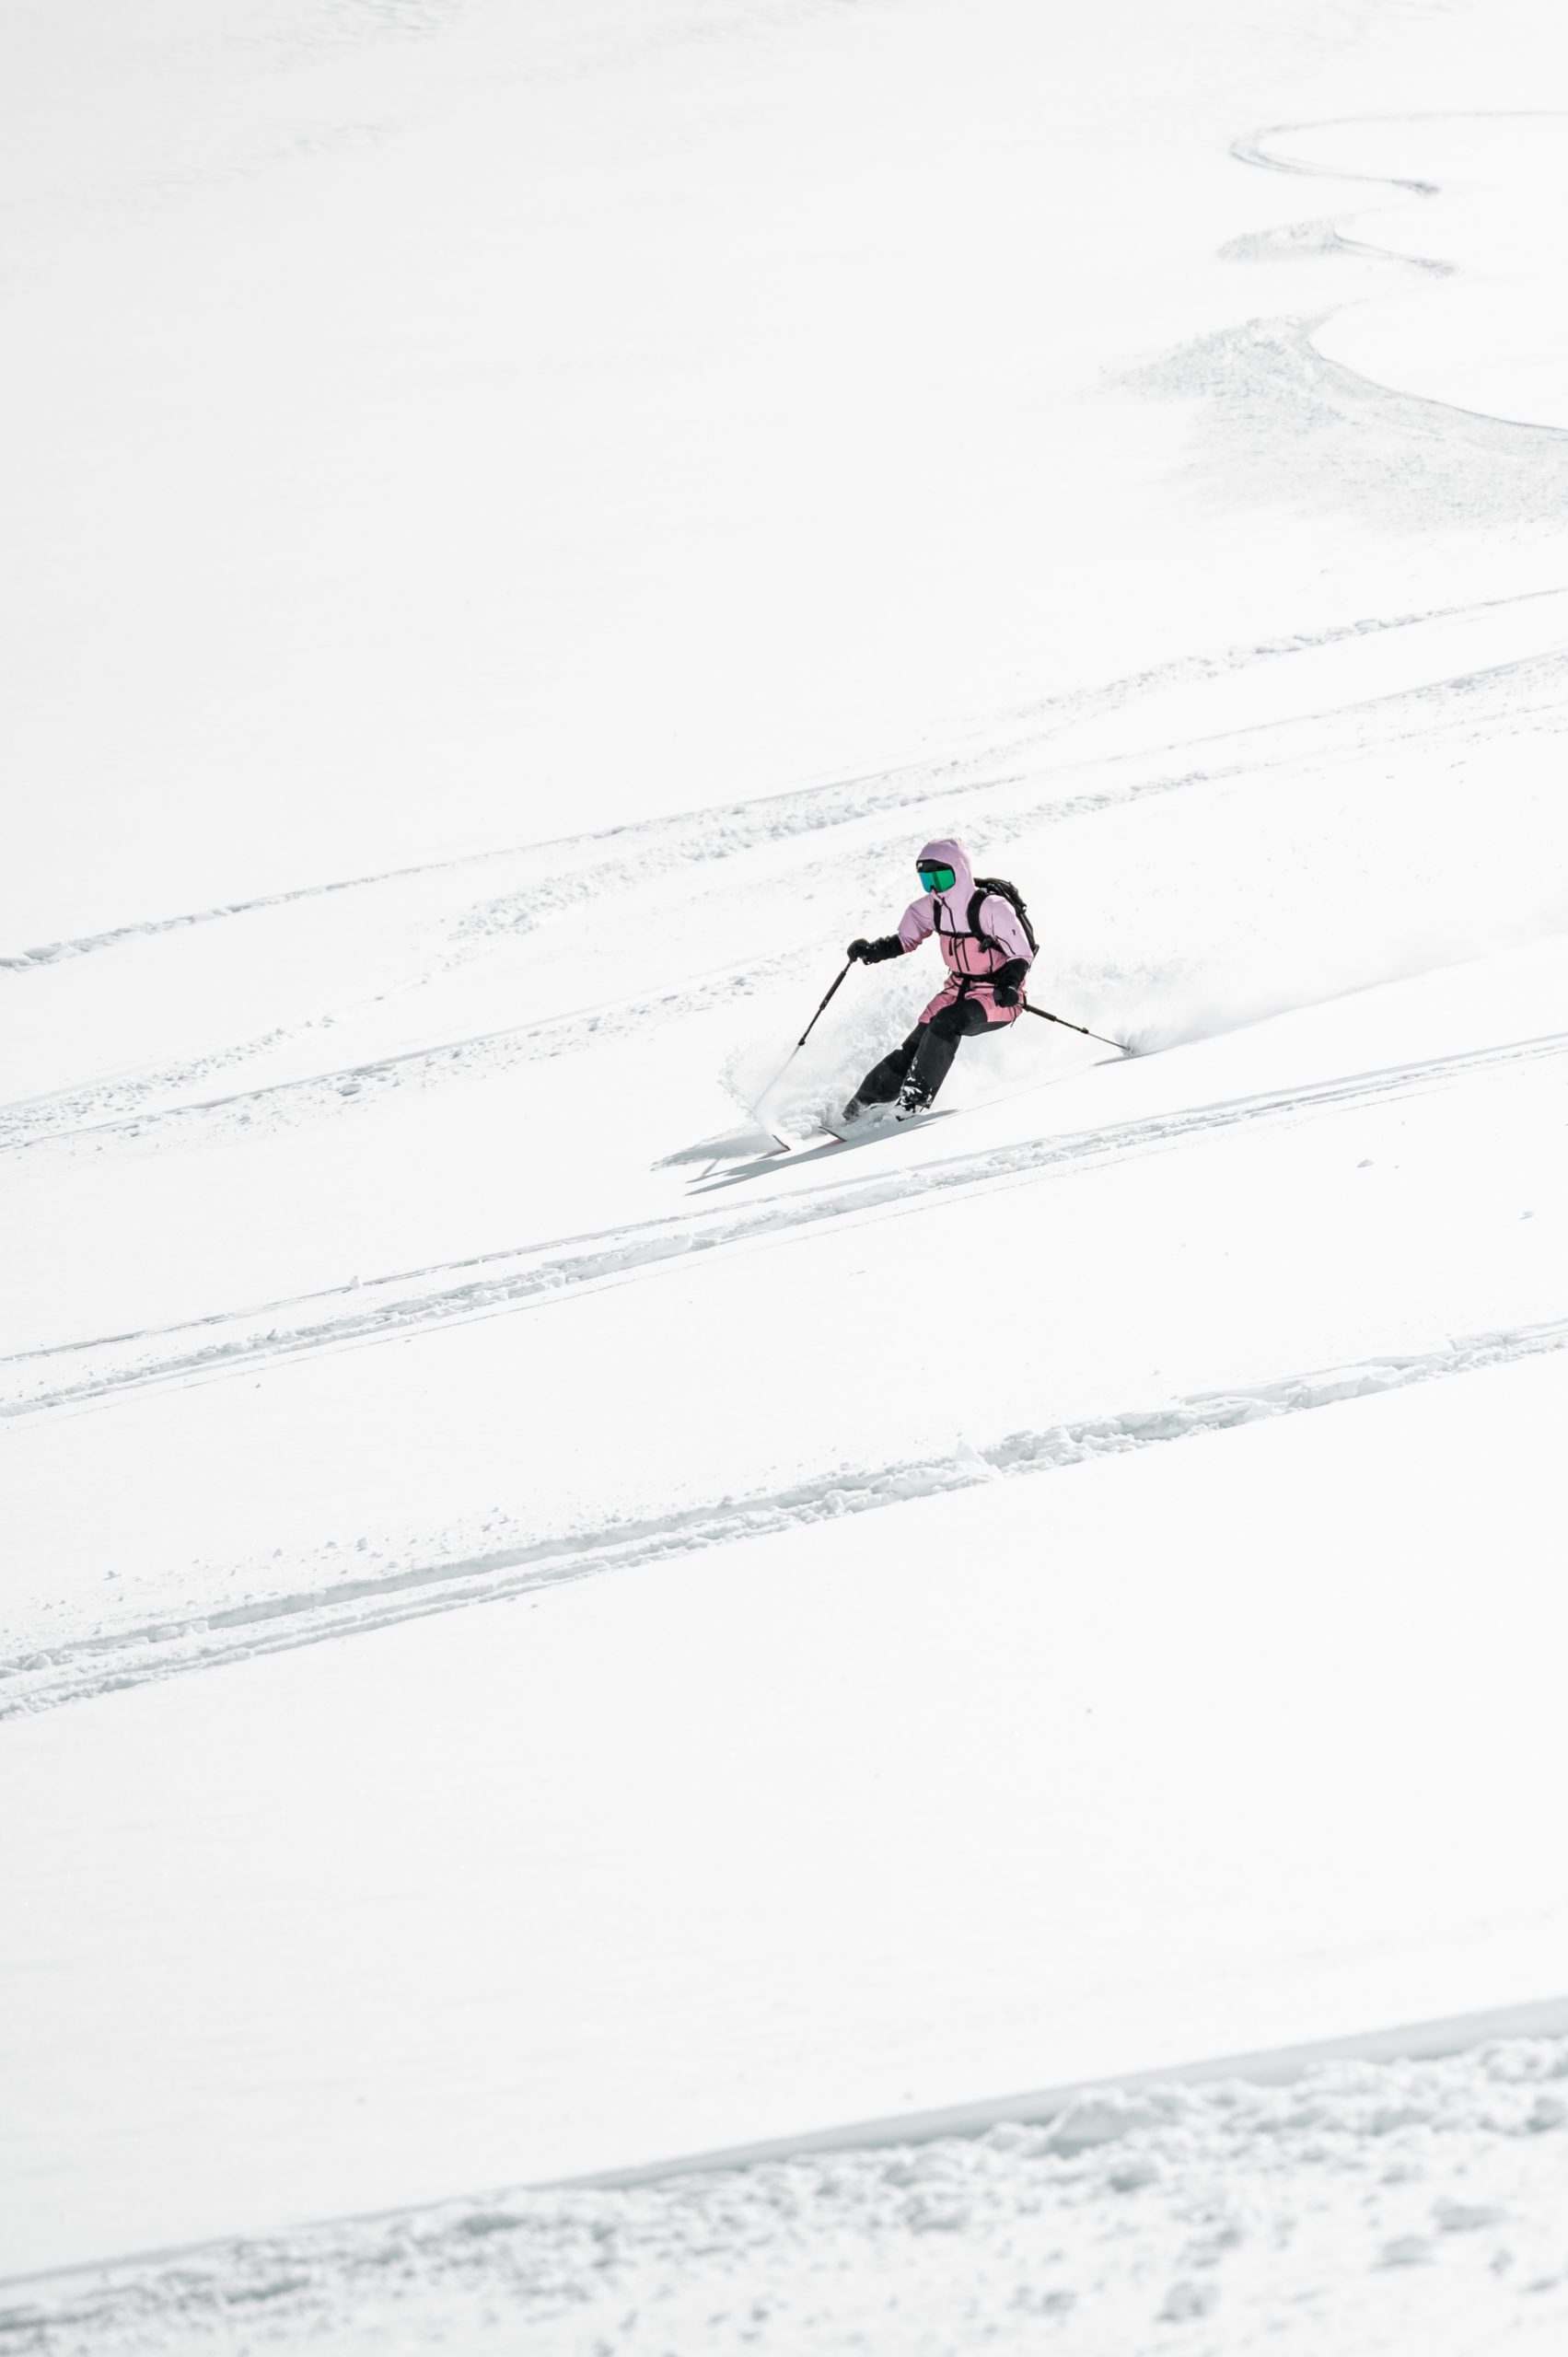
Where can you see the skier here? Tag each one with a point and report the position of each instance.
(989, 950)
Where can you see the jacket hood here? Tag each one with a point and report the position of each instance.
(947, 851)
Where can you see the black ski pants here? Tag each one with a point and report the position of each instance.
(926, 1056)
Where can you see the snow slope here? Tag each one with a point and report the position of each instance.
(924, 1825)
(539, 1636)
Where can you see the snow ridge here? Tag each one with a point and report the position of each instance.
(1313, 2211)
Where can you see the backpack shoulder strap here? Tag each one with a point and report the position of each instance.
(984, 888)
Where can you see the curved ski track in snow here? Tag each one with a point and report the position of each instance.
(1292, 423)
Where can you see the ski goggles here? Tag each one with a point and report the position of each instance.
(936, 880)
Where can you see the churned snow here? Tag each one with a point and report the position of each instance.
(1375, 2207)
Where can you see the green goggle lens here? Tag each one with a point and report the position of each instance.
(936, 879)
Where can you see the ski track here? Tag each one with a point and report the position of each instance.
(97, 1112)
(697, 835)
(491, 1283)
(288, 1104)
(103, 1663)
(1256, 148)
(1287, 422)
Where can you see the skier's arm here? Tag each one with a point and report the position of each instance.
(917, 923)
(913, 926)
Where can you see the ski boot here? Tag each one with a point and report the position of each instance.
(913, 1099)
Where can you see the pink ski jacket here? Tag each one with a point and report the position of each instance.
(946, 915)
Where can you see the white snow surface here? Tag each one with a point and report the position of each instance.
(540, 1635)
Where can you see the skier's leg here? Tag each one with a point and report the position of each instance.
(883, 1081)
(933, 1060)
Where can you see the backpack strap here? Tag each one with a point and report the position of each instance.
(998, 888)
(981, 894)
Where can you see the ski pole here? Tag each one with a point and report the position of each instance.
(1070, 1027)
(805, 1035)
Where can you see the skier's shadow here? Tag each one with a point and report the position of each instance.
(712, 1180)
(783, 1157)
(707, 1183)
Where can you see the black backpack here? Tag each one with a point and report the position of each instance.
(983, 887)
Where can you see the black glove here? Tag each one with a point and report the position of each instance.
(1009, 981)
(871, 953)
